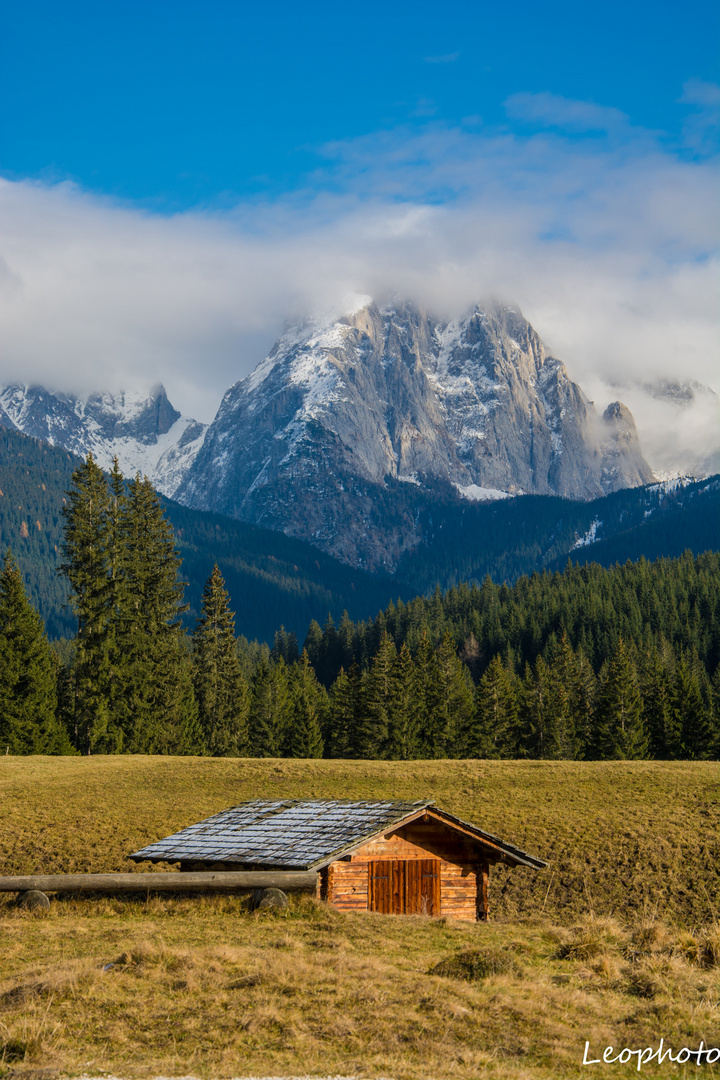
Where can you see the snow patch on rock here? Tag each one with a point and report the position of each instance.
(483, 494)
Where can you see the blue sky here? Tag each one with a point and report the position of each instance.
(176, 104)
(176, 177)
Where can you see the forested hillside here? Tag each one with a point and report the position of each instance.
(466, 542)
(672, 601)
(34, 479)
(587, 663)
(273, 579)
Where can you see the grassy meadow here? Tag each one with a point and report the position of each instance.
(617, 942)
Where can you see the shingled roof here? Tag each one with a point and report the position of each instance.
(299, 834)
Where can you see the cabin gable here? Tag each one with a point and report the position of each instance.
(422, 867)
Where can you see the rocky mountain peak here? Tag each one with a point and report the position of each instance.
(345, 404)
(129, 414)
(145, 432)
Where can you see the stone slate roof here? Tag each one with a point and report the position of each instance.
(300, 834)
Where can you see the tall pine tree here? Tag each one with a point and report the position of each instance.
(131, 675)
(493, 731)
(620, 730)
(303, 738)
(158, 704)
(28, 701)
(86, 550)
(220, 690)
(402, 742)
(448, 703)
(269, 708)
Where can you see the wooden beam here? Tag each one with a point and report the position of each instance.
(483, 892)
(171, 882)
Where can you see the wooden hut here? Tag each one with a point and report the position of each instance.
(392, 857)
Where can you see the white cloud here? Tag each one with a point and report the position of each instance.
(608, 243)
(702, 126)
(565, 113)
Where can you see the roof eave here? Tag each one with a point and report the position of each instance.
(507, 853)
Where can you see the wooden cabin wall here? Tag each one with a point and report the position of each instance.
(463, 881)
(347, 887)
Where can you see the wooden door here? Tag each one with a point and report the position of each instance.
(422, 895)
(404, 886)
(380, 876)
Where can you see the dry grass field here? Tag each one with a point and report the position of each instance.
(617, 942)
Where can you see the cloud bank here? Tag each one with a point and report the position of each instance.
(605, 237)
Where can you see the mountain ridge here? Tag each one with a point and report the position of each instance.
(146, 433)
(307, 442)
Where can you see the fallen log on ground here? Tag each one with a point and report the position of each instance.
(205, 881)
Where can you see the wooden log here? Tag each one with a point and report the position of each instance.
(172, 882)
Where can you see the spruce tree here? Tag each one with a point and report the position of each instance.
(402, 741)
(346, 634)
(660, 723)
(220, 690)
(449, 702)
(423, 684)
(285, 647)
(86, 550)
(28, 697)
(330, 657)
(543, 712)
(572, 690)
(691, 718)
(303, 738)
(620, 731)
(493, 730)
(269, 708)
(313, 643)
(157, 704)
(371, 732)
(342, 717)
(131, 680)
(347, 697)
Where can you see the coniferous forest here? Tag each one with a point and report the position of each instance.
(584, 663)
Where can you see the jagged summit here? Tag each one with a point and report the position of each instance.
(387, 393)
(353, 419)
(146, 433)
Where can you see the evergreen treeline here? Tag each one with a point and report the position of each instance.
(588, 663)
(34, 478)
(673, 602)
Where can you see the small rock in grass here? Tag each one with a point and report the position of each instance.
(33, 900)
(267, 899)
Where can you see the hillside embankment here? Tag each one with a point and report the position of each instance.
(619, 837)
(616, 944)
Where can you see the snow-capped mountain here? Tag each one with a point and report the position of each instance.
(345, 407)
(144, 431)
